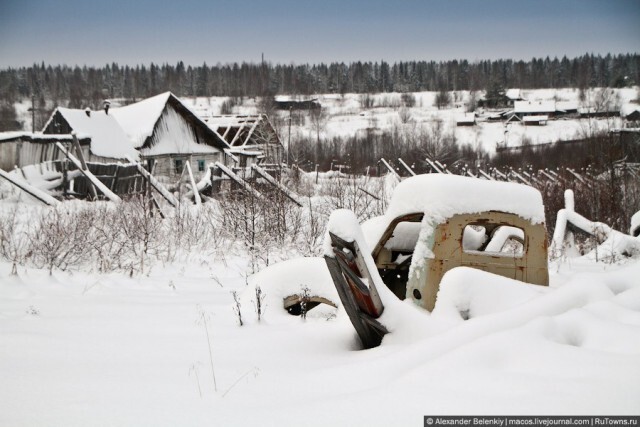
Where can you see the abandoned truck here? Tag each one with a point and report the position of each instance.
(434, 223)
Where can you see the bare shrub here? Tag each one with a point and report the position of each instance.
(107, 241)
(142, 227)
(366, 101)
(405, 115)
(58, 239)
(227, 106)
(346, 193)
(408, 100)
(13, 240)
(258, 303)
(237, 307)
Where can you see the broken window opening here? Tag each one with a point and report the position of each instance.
(493, 239)
(394, 253)
(178, 165)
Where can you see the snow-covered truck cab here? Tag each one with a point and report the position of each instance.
(494, 241)
(435, 223)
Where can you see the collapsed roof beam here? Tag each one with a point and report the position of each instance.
(239, 180)
(264, 174)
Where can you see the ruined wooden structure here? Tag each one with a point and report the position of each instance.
(249, 134)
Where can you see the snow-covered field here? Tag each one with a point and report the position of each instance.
(83, 348)
(346, 117)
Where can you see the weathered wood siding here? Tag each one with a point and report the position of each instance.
(165, 166)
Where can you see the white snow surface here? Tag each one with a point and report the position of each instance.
(90, 349)
(139, 119)
(175, 136)
(346, 116)
(108, 139)
(442, 196)
(635, 223)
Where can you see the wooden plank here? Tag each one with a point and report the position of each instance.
(239, 180)
(433, 165)
(411, 172)
(196, 193)
(253, 128)
(155, 184)
(390, 169)
(30, 189)
(103, 188)
(486, 175)
(76, 145)
(264, 174)
(367, 193)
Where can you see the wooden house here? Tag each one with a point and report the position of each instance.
(540, 120)
(567, 108)
(534, 108)
(500, 99)
(466, 119)
(168, 134)
(513, 95)
(292, 105)
(249, 134)
(630, 112)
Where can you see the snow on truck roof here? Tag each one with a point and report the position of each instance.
(443, 196)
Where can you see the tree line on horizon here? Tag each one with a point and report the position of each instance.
(81, 87)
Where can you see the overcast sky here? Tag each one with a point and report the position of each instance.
(88, 32)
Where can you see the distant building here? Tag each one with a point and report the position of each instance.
(312, 104)
(540, 120)
(466, 119)
(534, 108)
(630, 112)
(500, 99)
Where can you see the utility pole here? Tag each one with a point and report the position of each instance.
(289, 141)
(33, 113)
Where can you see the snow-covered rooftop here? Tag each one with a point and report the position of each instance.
(108, 139)
(513, 94)
(139, 119)
(629, 108)
(534, 107)
(35, 136)
(466, 118)
(231, 120)
(567, 105)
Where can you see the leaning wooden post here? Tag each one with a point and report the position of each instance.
(90, 176)
(194, 187)
(76, 145)
(29, 189)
